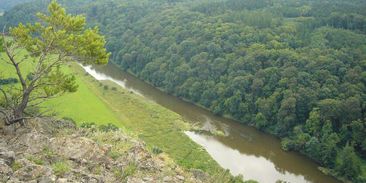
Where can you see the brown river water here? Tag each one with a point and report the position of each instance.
(243, 150)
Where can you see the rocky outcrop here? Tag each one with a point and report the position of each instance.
(45, 150)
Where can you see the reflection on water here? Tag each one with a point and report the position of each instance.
(254, 167)
(103, 77)
(244, 150)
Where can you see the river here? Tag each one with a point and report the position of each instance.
(243, 150)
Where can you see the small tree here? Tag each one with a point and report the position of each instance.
(53, 41)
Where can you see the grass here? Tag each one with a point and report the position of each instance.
(35, 160)
(129, 170)
(157, 126)
(16, 166)
(61, 168)
(83, 106)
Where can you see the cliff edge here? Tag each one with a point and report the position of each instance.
(47, 150)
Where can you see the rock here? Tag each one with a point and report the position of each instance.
(61, 180)
(148, 179)
(14, 180)
(47, 179)
(179, 177)
(167, 179)
(30, 171)
(7, 156)
(46, 142)
(31, 143)
(89, 178)
(199, 174)
(134, 180)
(5, 172)
(78, 149)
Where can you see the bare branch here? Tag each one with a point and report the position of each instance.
(5, 95)
(15, 64)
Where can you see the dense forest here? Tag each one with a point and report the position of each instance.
(8, 4)
(293, 68)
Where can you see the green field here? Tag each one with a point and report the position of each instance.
(154, 124)
(82, 106)
(157, 126)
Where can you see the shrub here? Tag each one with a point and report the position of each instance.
(107, 128)
(87, 125)
(156, 150)
(105, 87)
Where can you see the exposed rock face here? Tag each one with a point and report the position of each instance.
(46, 151)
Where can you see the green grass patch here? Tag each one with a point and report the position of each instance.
(16, 166)
(35, 160)
(81, 106)
(61, 168)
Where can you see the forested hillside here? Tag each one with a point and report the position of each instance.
(8, 4)
(293, 68)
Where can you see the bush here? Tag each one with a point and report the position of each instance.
(105, 87)
(156, 150)
(287, 144)
(87, 125)
(109, 127)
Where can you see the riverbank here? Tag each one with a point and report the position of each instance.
(157, 126)
(243, 145)
(325, 171)
(106, 102)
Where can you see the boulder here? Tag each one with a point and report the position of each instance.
(7, 156)
(79, 149)
(30, 171)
